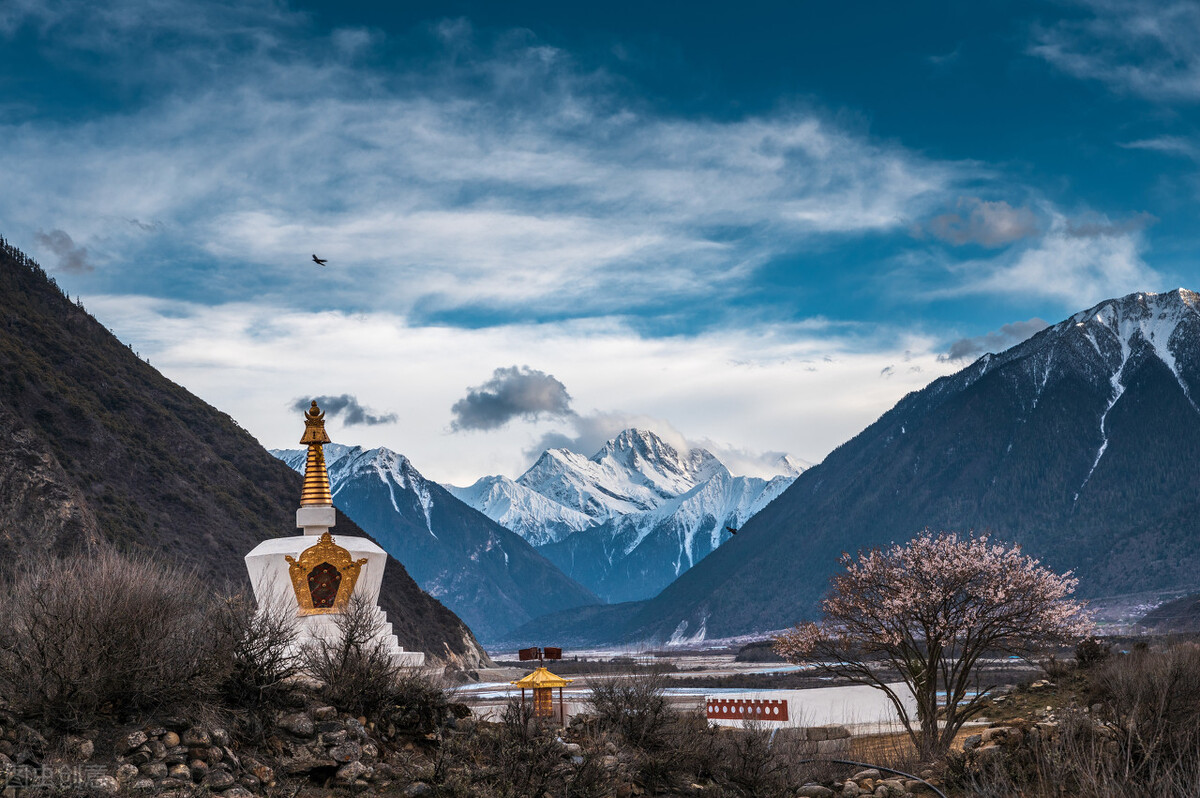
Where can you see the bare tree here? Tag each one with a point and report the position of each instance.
(929, 610)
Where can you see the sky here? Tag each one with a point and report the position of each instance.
(750, 227)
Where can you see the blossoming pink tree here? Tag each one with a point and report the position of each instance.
(929, 610)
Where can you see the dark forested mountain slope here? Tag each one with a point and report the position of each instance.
(1082, 444)
(97, 448)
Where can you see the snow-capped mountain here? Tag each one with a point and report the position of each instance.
(488, 575)
(628, 520)
(528, 513)
(1081, 443)
(634, 472)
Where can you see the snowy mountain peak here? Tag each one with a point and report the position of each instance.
(788, 466)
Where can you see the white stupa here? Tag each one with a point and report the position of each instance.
(315, 573)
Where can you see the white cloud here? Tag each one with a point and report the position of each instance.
(418, 188)
(1151, 49)
(779, 389)
(1078, 261)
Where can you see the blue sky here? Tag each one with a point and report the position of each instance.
(751, 227)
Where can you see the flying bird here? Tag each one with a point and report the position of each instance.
(732, 531)
(319, 261)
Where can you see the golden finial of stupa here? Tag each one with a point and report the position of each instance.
(316, 478)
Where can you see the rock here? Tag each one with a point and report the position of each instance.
(972, 741)
(303, 762)
(418, 789)
(865, 774)
(298, 724)
(180, 772)
(142, 785)
(263, 774)
(126, 772)
(335, 737)
(237, 792)
(370, 751)
(324, 713)
(994, 732)
(346, 753)
(218, 780)
(177, 724)
(157, 749)
(302, 681)
(140, 757)
(135, 739)
(170, 739)
(220, 738)
(814, 791)
(80, 748)
(105, 785)
(153, 770)
(198, 769)
(850, 789)
(196, 738)
(176, 756)
(251, 783)
(574, 749)
(213, 755)
(352, 771)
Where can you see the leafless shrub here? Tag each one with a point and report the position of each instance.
(1055, 668)
(635, 707)
(745, 763)
(525, 757)
(415, 704)
(1145, 739)
(357, 667)
(106, 634)
(1152, 706)
(261, 658)
(1092, 651)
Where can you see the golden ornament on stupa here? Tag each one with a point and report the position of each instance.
(323, 577)
(316, 477)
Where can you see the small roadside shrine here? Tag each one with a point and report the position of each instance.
(543, 682)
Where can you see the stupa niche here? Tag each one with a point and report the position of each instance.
(314, 574)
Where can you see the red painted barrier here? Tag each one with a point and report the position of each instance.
(744, 709)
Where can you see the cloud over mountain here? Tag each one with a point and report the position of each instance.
(512, 392)
(71, 256)
(348, 408)
(996, 341)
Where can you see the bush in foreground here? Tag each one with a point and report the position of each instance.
(107, 635)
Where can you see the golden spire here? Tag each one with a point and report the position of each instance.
(316, 478)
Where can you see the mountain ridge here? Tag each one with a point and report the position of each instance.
(100, 449)
(1078, 443)
(629, 519)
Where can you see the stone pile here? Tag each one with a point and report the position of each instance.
(871, 783)
(173, 758)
